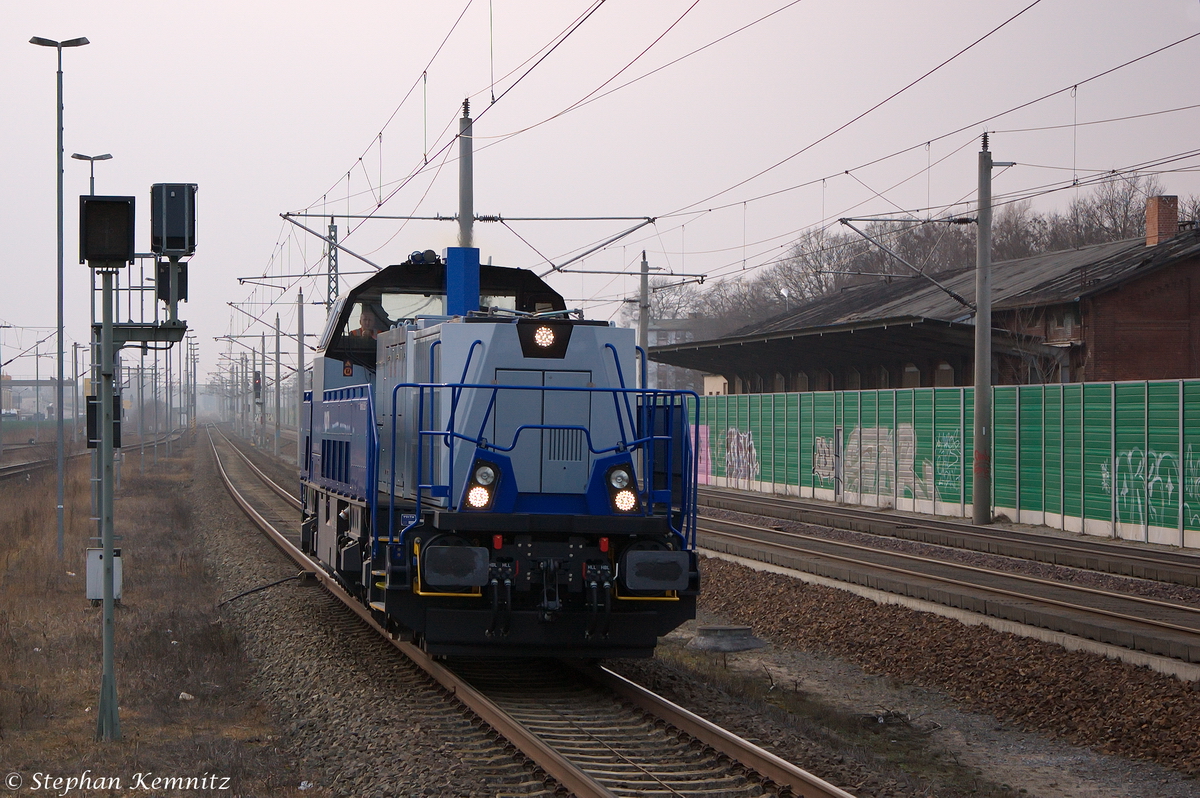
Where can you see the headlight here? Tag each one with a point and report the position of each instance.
(544, 337)
(478, 497)
(625, 500)
(618, 478)
(484, 475)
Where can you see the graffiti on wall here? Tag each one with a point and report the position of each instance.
(823, 459)
(1147, 483)
(741, 456)
(948, 464)
(882, 461)
(704, 456)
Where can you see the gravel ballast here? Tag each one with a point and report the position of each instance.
(1088, 700)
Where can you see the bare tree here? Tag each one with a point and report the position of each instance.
(1017, 231)
(669, 299)
(823, 260)
(1114, 211)
(1189, 209)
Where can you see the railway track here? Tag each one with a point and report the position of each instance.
(12, 470)
(1121, 559)
(594, 732)
(1136, 622)
(26, 467)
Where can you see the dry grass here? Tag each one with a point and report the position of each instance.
(169, 641)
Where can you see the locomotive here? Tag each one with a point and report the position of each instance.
(480, 471)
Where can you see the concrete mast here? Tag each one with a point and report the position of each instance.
(466, 192)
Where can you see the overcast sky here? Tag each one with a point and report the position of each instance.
(735, 124)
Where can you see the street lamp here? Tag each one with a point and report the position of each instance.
(58, 405)
(92, 167)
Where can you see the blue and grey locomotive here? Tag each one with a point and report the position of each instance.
(482, 474)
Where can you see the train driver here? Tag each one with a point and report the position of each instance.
(369, 323)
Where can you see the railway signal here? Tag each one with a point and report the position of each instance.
(106, 243)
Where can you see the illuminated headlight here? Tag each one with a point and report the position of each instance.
(625, 500)
(544, 337)
(619, 479)
(484, 475)
(478, 497)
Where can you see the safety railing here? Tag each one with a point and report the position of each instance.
(635, 409)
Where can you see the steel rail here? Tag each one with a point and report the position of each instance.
(29, 466)
(1175, 559)
(779, 771)
(1170, 605)
(281, 491)
(963, 583)
(273, 534)
(545, 757)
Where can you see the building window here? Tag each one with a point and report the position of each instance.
(944, 376)
(912, 376)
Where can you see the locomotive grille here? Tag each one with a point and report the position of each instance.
(565, 445)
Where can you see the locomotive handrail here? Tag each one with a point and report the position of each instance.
(455, 393)
(651, 398)
(621, 380)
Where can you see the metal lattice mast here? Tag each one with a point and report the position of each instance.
(332, 260)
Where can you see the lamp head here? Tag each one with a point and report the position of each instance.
(38, 40)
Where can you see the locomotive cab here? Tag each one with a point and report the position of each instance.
(483, 474)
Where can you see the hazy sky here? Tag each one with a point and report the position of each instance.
(732, 123)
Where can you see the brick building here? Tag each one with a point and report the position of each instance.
(1128, 310)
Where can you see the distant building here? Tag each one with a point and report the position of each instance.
(1128, 310)
(669, 332)
(715, 385)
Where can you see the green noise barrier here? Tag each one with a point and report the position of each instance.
(1109, 459)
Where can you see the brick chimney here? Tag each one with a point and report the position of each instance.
(1162, 219)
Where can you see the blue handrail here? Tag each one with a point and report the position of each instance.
(669, 402)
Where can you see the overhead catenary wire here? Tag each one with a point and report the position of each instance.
(743, 202)
(961, 129)
(865, 113)
(560, 39)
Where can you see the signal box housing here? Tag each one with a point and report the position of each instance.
(106, 230)
(173, 219)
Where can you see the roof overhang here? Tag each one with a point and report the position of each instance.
(868, 342)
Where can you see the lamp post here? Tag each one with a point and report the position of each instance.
(91, 159)
(58, 406)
